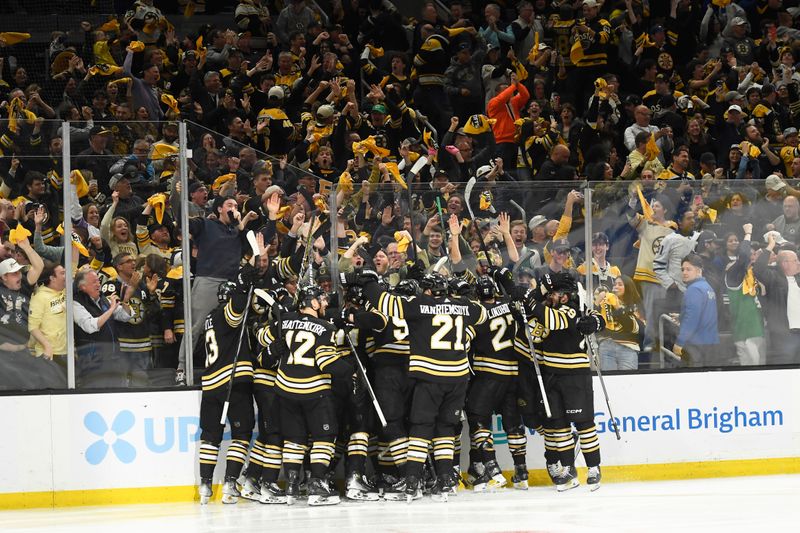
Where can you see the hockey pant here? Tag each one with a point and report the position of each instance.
(435, 412)
(314, 417)
(265, 456)
(241, 418)
(571, 401)
(393, 389)
(489, 395)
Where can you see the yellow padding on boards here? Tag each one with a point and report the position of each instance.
(611, 474)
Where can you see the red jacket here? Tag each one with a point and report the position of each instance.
(505, 108)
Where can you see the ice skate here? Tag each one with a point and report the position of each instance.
(498, 480)
(358, 488)
(250, 489)
(477, 477)
(566, 480)
(392, 488)
(520, 478)
(554, 471)
(593, 478)
(320, 494)
(292, 486)
(230, 494)
(439, 492)
(271, 493)
(413, 489)
(205, 491)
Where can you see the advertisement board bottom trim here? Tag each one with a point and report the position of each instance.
(611, 474)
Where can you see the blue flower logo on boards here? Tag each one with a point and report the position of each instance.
(109, 437)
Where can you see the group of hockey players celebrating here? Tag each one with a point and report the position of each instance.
(383, 378)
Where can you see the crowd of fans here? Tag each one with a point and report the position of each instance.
(683, 114)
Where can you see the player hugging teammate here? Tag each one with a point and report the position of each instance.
(385, 381)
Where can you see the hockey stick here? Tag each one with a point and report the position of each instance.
(251, 239)
(421, 162)
(236, 358)
(592, 344)
(363, 373)
(444, 229)
(535, 362)
(306, 267)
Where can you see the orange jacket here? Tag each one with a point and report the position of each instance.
(505, 108)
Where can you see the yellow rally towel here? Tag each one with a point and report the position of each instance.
(171, 102)
(651, 150)
(375, 51)
(77, 179)
(283, 211)
(119, 80)
(104, 70)
(16, 110)
(162, 151)
(76, 242)
(320, 203)
(647, 211)
(19, 233)
(188, 10)
(601, 84)
(111, 25)
(402, 241)
(222, 180)
(137, 46)
(754, 150)
(477, 124)
(14, 37)
(395, 172)
(365, 234)
(486, 201)
(370, 145)
(346, 182)
(721, 3)
(534, 53)
(749, 282)
(158, 201)
(102, 55)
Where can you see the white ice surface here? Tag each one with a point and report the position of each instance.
(753, 504)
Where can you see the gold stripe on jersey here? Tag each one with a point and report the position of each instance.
(283, 266)
(435, 367)
(244, 369)
(522, 348)
(326, 355)
(396, 348)
(303, 386)
(390, 305)
(233, 318)
(495, 366)
(555, 319)
(565, 360)
(264, 377)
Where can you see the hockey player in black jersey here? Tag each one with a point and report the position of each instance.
(438, 364)
(305, 346)
(221, 333)
(356, 415)
(494, 391)
(558, 329)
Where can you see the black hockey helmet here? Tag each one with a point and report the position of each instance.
(561, 282)
(459, 287)
(485, 288)
(224, 291)
(434, 282)
(308, 293)
(406, 287)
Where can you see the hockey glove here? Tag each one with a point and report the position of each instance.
(248, 276)
(416, 270)
(279, 350)
(503, 277)
(589, 324)
(367, 276)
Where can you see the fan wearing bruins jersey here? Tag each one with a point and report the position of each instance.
(134, 335)
(494, 390)
(438, 363)
(221, 333)
(305, 346)
(558, 328)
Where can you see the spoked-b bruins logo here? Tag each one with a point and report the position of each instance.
(664, 61)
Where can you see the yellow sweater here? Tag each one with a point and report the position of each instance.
(48, 315)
